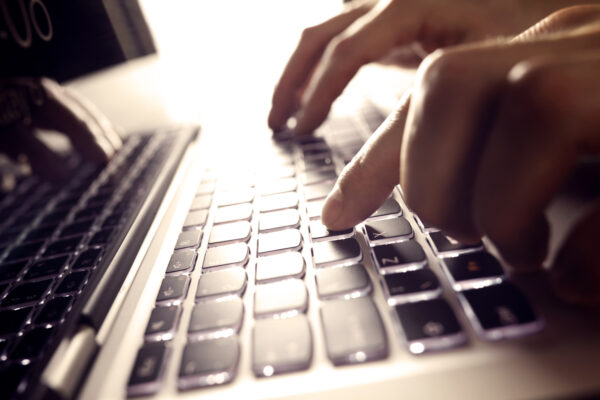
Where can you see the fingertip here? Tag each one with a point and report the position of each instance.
(333, 210)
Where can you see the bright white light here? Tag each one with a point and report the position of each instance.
(268, 370)
(417, 348)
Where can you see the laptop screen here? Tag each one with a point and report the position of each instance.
(66, 39)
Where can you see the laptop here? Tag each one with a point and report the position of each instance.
(194, 264)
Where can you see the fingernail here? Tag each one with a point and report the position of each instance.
(332, 207)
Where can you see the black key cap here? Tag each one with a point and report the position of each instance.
(238, 212)
(345, 251)
(429, 325)
(222, 282)
(88, 212)
(282, 297)
(46, 267)
(147, 371)
(55, 217)
(101, 237)
(77, 228)
(413, 285)
(319, 232)
(11, 376)
(162, 323)
(63, 246)
(201, 202)
(274, 242)
(87, 259)
(113, 220)
(279, 266)
(9, 271)
(501, 312)
(316, 176)
(281, 345)
(279, 201)
(229, 233)
(231, 254)
(173, 289)
(445, 246)
(389, 207)
(27, 293)
(40, 233)
(195, 218)
(398, 257)
(73, 283)
(318, 190)
(343, 282)
(239, 196)
(388, 231)
(211, 318)
(182, 260)
(31, 344)
(353, 330)
(23, 251)
(13, 320)
(469, 270)
(203, 361)
(53, 311)
(275, 220)
(189, 239)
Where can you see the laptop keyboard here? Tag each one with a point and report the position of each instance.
(56, 243)
(252, 257)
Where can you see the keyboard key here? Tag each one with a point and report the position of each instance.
(318, 190)
(87, 259)
(354, 332)
(113, 219)
(343, 282)
(281, 345)
(275, 242)
(54, 310)
(445, 246)
(206, 188)
(148, 369)
(46, 267)
(31, 344)
(222, 282)
(73, 283)
(318, 163)
(274, 220)
(63, 246)
(209, 362)
(88, 212)
(10, 271)
(238, 212)
(313, 208)
(388, 231)
(278, 202)
(24, 251)
(237, 196)
(189, 239)
(27, 293)
(399, 257)
(229, 233)
(101, 237)
(277, 169)
(288, 296)
(230, 254)
(319, 232)
(173, 289)
(501, 312)
(13, 320)
(211, 319)
(345, 251)
(316, 176)
(195, 218)
(201, 202)
(409, 286)
(182, 261)
(11, 376)
(278, 186)
(473, 269)
(425, 228)
(39, 233)
(162, 323)
(77, 228)
(388, 208)
(284, 265)
(429, 325)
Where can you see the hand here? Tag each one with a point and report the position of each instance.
(329, 55)
(27, 104)
(491, 133)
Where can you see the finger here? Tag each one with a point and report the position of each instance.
(368, 180)
(547, 120)
(107, 128)
(368, 39)
(60, 112)
(452, 113)
(576, 271)
(303, 60)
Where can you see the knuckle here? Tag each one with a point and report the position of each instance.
(309, 34)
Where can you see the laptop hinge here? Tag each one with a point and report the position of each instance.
(63, 374)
